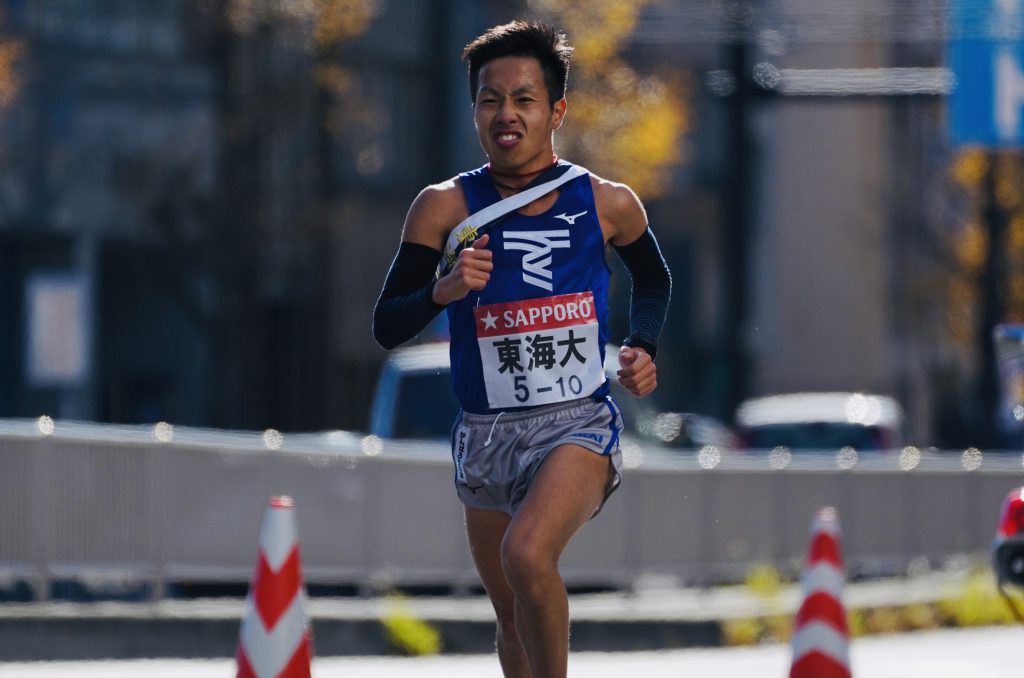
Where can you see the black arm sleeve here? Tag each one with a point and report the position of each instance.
(652, 288)
(405, 305)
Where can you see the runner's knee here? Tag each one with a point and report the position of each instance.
(525, 562)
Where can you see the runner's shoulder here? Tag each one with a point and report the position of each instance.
(617, 204)
(445, 196)
(437, 210)
(613, 197)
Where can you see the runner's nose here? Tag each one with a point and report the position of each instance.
(506, 112)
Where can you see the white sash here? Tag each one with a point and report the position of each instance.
(471, 228)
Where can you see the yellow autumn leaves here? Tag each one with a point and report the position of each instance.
(624, 125)
(968, 171)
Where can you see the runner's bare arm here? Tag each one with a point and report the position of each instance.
(622, 215)
(433, 215)
(411, 296)
(406, 304)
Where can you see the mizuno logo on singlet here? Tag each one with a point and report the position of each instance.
(570, 219)
(538, 246)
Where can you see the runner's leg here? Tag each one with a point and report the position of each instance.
(485, 530)
(562, 497)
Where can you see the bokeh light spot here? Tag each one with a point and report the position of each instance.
(163, 432)
(273, 439)
(45, 425)
(846, 458)
(372, 445)
(971, 459)
(709, 457)
(632, 456)
(780, 458)
(910, 457)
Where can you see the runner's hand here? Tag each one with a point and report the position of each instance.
(637, 372)
(471, 272)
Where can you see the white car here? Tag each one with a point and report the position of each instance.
(820, 421)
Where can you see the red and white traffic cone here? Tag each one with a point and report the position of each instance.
(275, 639)
(821, 637)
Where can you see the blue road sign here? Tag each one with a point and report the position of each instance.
(986, 54)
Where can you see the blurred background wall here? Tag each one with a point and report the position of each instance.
(199, 200)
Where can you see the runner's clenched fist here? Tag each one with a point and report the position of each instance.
(637, 372)
(471, 272)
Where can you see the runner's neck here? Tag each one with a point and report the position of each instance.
(520, 180)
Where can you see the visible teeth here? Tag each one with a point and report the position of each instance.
(506, 137)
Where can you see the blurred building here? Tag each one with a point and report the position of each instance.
(109, 147)
(848, 220)
(836, 250)
(197, 210)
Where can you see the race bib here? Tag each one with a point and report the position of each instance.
(539, 351)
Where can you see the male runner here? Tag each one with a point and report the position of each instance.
(536, 444)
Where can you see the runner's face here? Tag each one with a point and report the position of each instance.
(513, 118)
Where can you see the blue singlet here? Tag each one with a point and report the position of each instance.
(536, 334)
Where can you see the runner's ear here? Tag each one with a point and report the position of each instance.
(558, 114)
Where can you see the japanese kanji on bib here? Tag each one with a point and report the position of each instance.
(536, 334)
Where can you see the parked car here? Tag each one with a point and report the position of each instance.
(686, 430)
(820, 421)
(414, 400)
(414, 397)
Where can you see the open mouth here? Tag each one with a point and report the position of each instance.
(507, 139)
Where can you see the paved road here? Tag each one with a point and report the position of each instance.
(976, 653)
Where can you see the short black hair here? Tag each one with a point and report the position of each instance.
(527, 39)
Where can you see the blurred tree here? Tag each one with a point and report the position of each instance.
(11, 52)
(981, 176)
(968, 172)
(986, 286)
(623, 125)
(327, 25)
(341, 108)
(278, 93)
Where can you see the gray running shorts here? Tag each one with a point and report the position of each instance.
(497, 455)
